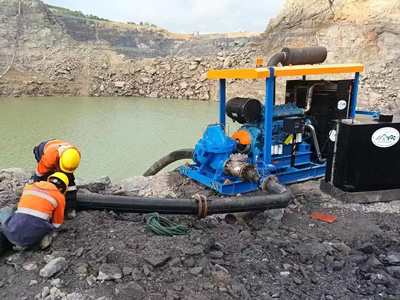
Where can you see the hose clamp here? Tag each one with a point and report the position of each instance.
(203, 205)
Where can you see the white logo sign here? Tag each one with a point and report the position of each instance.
(332, 135)
(341, 104)
(385, 137)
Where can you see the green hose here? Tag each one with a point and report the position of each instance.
(162, 226)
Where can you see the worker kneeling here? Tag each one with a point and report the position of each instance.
(58, 156)
(40, 211)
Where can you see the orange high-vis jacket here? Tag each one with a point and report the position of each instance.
(51, 156)
(43, 200)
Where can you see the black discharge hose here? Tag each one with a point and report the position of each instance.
(280, 196)
(169, 159)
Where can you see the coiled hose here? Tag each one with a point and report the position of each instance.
(162, 226)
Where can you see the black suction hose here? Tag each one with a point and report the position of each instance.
(281, 197)
(91, 201)
(169, 159)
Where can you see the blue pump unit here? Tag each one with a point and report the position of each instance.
(280, 140)
(215, 148)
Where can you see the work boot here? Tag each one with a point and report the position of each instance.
(47, 239)
(70, 211)
(5, 244)
(71, 214)
(18, 248)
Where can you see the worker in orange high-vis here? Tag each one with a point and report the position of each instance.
(58, 156)
(40, 211)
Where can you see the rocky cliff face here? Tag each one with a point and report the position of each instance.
(367, 31)
(42, 47)
(137, 41)
(70, 56)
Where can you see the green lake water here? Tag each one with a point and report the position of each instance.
(118, 137)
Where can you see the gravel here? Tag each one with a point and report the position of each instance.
(108, 255)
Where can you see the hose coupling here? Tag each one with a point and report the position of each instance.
(272, 184)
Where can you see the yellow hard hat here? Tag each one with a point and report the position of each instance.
(60, 180)
(69, 160)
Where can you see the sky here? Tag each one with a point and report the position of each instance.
(183, 16)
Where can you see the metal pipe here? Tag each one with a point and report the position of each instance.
(276, 59)
(237, 166)
(235, 163)
(316, 143)
(354, 98)
(250, 173)
(305, 55)
(269, 107)
(222, 100)
(280, 197)
(334, 152)
(310, 92)
(169, 159)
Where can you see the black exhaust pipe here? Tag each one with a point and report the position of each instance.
(299, 56)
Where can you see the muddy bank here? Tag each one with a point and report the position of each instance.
(280, 254)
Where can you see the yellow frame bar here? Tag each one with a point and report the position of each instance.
(239, 73)
(317, 69)
(300, 70)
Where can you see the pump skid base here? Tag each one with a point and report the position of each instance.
(303, 173)
(360, 197)
(287, 176)
(230, 188)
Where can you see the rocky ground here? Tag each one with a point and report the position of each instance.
(279, 254)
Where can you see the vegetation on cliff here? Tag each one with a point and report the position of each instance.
(75, 13)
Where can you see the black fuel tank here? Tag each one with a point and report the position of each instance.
(367, 156)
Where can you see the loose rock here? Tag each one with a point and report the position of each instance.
(109, 272)
(196, 270)
(54, 266)
(393, 260)
(157, 261)
(126, 291)
(366, 247)
(126, 271)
